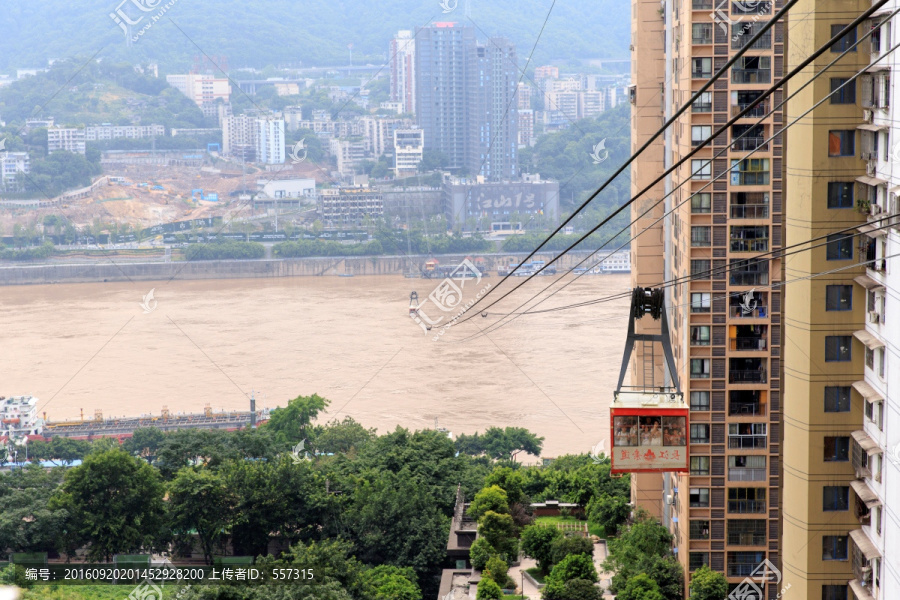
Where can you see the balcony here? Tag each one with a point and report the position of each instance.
(746, 474)
(748, 344)
(701, 4)
(747, 442)
(745, 507)
(749, 211)
(701, 73)
(747, 402)
(752, 245)
(751, 75)
(758, 111)
(747, 539)
(750, 143)
(747, 370)
(749, 278)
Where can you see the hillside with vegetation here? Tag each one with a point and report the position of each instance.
(316, 32)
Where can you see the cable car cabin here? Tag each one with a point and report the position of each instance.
(649, 422)
(648, 432)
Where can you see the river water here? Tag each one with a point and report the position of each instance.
(87, 347)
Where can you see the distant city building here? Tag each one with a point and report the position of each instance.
(113, 132)
(546, 72)
(526, 127)
(395, 106)
(348, 154)
(23, 73)
(11, 164)
(379, 133)
(69, 139)
(523, 96)
(18, 417)
(346, 206)
(239, 137)
(287, 89)
(204, 89)
(498, 201)
(38, 123)
(465, 96)
(293, 116)
(270, 148)
(289, 188)
(195, 132)
(403, 71)
(409, 148)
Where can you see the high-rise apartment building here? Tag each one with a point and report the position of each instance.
(270, 141)
(403, 70)
(842, 466)
(69, 139)
(725, 316)
(204, 89)
(466, 99)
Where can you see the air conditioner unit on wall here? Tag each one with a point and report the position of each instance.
(670, 500)
(876, 209)
(874, 317)
(867, 116)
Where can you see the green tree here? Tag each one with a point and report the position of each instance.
(291, 424)
(500, 532)
(488, 590)
(570, 544)
(491, 498)
(341, 436)
(642, 587)
(501, 443)
(480, 553)
(608, 511)
(537, 542)
(510, 481)
(115, 504)
(645, 547)
(386, 582)
(144, 442)
(573, 589)
(27, 522)
(199, 500)
(497, 569)
(573, 566)
(707, 584)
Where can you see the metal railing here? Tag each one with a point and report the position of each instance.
(751, 75)
(756, 245)
(746, 442)
(757, 313)
(750, 143)
(748, 343)
(746, 506)
(747, 376)
(749, 278)
(747, 539)
(736, 408)
(760, 110)
(746, 474)
(749, 211)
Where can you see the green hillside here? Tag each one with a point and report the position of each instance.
(314, 32)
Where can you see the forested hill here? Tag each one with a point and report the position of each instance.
(316, 32)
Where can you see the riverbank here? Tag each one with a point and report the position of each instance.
(113, 270)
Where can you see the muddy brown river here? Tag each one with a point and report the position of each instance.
(87, 347)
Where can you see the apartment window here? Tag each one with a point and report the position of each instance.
(834, 547)
(697, 560)
(700, 368)
(700, 302)
(841, 142)
(840, 194)
(837, 398)
(701, 268)
(699, 497)
(837, 348)
(701, 236)
(746, 468)
(834, 592)
(700, 465)
(701, 68)
(702, 33)
(838, 297)
(703, 104)
(845, 94)
(699, 400)
(750, 171)
(746, 500)
(870, 358)
(835, 498)
(701, 169)
(752, 69)
(747, 532)
(846, 43)
(700, 133)
(701, 203)
(700, 335)
(839, 247)
(699, 433)
(837, 449)
(699, 530)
